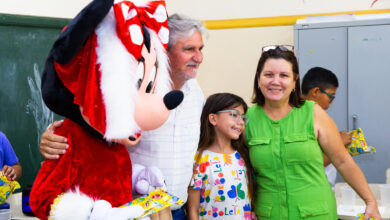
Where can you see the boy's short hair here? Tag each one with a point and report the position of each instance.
(319, 77)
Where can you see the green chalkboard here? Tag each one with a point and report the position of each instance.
(25, 42)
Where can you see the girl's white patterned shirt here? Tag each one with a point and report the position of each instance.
(223, 185)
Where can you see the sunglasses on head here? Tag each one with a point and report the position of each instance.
(278, 47)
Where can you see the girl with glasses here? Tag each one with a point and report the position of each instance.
(221, 187)
(286, 137)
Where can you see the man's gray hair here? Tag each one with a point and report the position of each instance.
(183, 26)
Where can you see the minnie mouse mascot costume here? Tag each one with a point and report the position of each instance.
(107, 73)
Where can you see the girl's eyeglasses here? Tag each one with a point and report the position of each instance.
(236, 115)
(331, 96)
(280, 47)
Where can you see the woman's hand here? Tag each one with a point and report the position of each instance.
(329, 139)
(372, 211)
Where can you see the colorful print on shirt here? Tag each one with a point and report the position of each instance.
(222, 181)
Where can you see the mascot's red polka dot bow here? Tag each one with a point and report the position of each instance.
(131, 17)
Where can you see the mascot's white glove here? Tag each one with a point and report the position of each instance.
(147, 179)
(102, 210)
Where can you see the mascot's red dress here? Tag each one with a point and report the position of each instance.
(106, 74)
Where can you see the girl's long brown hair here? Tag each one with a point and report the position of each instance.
(215, 103)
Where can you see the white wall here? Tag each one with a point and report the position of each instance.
(45, 8)
(226, 9)
(231, 55)
(202, 9)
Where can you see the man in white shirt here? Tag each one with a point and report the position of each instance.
(171, 147)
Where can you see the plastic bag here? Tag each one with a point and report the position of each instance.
(155, 201)
(360, 216)
(7, 187)
(359, 144)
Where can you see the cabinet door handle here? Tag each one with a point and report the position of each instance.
(354, 121)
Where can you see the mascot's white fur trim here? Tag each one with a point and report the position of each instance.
(116, 76)
(78, 206)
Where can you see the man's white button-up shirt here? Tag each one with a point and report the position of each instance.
(172, 147)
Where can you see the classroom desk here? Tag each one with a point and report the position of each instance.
(347, 212)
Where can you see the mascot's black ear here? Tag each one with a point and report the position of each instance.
(76, 34)
(56, 96)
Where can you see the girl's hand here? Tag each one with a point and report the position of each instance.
(254, 217)
(372, 211)
(9, 172)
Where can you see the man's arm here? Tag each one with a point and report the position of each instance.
(52, 145)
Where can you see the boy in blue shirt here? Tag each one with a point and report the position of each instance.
(8, 161)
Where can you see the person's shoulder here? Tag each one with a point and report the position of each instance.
(192, 88)
(2, 137)
(311, 106)
(306, 105)
(192, 84)
(318, 110)
(203, 157)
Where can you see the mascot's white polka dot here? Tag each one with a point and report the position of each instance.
(125, 10)
(150, 15)
(136, 34)
(131, 14)
(164, 35)
(160, 14)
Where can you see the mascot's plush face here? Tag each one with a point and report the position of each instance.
(150, 110)
(135, 82)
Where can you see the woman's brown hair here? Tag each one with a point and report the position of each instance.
(295, 99)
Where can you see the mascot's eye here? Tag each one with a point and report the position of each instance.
(152, 78)
(139, 74)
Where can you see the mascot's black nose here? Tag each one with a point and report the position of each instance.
(173, 99)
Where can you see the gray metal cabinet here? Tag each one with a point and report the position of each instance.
(358, 52)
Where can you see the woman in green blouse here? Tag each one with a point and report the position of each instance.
(286, 137)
